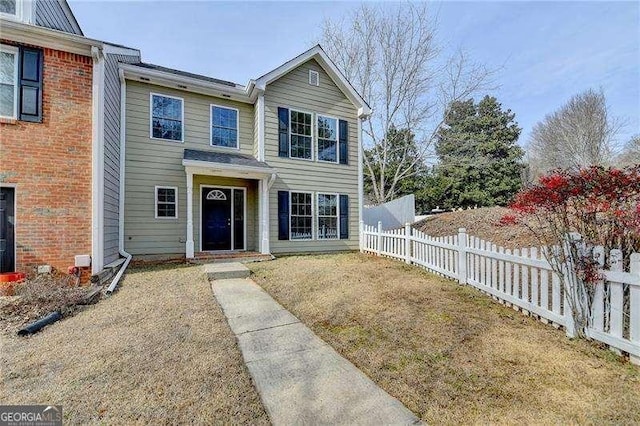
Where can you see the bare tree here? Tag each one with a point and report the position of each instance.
(631, 153)
(580, 134)
(389, 54)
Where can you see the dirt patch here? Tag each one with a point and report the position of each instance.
(448, 352)
(483, 223)
(158, 351)
(38, 296)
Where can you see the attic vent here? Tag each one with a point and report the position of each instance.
(314, 78)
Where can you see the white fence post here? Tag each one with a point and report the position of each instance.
(362, 238)
(462, 256)
(379, 235)
(616, 298)
(634, 306)
(407, 243)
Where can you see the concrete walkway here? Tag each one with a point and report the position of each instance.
(300, 378)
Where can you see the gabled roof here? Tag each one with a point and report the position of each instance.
(182, 80)
(318, 53)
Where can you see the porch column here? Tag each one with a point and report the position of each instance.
(189, 245)
(264, 212)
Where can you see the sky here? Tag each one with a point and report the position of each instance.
(544, 52)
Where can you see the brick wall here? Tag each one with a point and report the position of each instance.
(50, 164)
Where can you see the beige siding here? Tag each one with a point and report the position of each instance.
(152, 162)
(293, 91)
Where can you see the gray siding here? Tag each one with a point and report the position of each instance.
(293, 91)
(112, 153)
(51, 14)
(151, 162)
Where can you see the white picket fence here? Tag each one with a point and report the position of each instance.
(522, 278)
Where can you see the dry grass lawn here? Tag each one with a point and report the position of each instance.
(158, 351)
(448, 352)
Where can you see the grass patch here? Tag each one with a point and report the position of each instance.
(158, 351)
(448, 352)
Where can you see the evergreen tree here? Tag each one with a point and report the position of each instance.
(480, 162)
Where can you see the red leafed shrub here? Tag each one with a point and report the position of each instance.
(600, 204)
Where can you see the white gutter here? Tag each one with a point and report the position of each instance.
(123, 101)
(97, 166)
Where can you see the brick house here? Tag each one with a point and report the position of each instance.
(54, 130)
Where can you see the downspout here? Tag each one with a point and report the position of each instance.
(97, 166)
(127, 256)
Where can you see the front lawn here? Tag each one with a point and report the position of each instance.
(448, 352)
(158, 351)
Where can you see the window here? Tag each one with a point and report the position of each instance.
(8, 81)
(314, 78)
(301, 216)
(9, 7)
(328, 216)
(327, 139)
(300, 134)
(224, 126)
(166, 202)
(167, 117)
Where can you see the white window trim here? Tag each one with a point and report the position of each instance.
(312, 135)
(19, 15)
(317, 75)
(237, 147)
(313, 215)
(337, 139)
(155, 202)
(317, 222)
(151, 95)
(14, 50)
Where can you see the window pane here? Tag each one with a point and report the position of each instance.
(7, 100)
(8, 6)
(327, 150)
(327, 128)
(7, 68)
(167, 129)
(166, 202)
(164, 107)
(327, 227)
(300, 146)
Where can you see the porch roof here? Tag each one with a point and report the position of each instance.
(225, 164)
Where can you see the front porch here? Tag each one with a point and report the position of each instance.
(227, 205)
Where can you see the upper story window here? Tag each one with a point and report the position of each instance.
(224, 126)
(166, 202)
(327, 139)
(301, 135)
(167, 117)
(8, 81)
(21, 76)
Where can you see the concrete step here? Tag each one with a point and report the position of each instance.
(225, 271)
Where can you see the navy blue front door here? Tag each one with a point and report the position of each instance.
(216, 219)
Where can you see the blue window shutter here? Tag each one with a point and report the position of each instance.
(344, 141)
(344, 216)
(283, 132)
(283, 215)
(30, 67)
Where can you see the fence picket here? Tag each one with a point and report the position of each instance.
(535, 288)
(597, 319)
(516, 276)
(634, 306)
(616, 292)
(544, 284)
